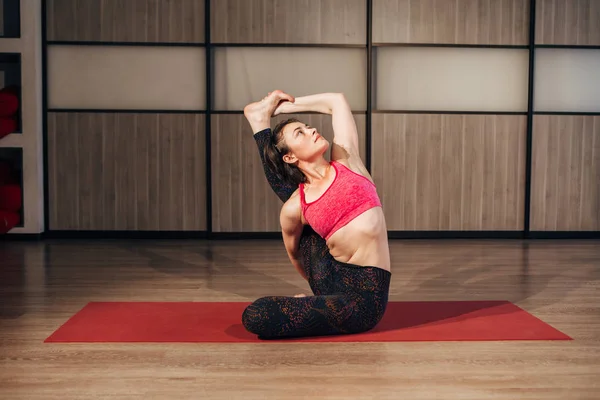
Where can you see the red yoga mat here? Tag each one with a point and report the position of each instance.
(196, 322)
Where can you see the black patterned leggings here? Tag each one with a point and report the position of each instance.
(347, 298)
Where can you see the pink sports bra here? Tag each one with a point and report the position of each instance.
(348, 196)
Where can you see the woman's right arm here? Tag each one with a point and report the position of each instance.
(259, 116)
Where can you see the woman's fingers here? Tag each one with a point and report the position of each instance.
(282, 107)
(285, 96)
(275, 100)
(280, 95)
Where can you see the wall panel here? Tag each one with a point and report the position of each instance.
(568, 22)
(143, 21)
(565, 191)
(450, 172)
(435, 172)
(140, 172)
(242, 200)
(482, 22)
(289, 21)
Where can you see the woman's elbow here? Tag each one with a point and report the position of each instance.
(338, 97)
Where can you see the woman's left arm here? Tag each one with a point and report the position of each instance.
(345, 134)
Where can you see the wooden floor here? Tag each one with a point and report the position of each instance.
(42, 284)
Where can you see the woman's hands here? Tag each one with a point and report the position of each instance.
(276, 101)
(285, 107)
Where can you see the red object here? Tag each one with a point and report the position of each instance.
(197, 322)
(8, 220)
(9, 102)
(7, 126)
(11, 198)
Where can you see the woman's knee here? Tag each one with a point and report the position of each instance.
(254, 316)
(263, 316)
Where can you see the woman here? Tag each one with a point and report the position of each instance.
(345, 256)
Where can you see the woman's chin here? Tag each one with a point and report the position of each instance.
(324, 144)
(318, 153)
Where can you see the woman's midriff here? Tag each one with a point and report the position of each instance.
(363, 241)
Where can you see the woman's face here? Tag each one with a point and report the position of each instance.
(304, 142)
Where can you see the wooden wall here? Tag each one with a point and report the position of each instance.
(565, 178)
(450, 172)
(498, 22)
(436, 170)
(565, 191)
(178, 21)
(568, 22)
(289, 21)
(127, 171)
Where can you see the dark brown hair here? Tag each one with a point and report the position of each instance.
(275, 149)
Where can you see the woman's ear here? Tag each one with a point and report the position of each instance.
(290, 158)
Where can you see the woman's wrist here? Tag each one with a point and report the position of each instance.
(322, 103)
(286, 107)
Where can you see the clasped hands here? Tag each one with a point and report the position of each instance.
(279, 102)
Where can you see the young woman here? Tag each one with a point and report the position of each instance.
(332, 222)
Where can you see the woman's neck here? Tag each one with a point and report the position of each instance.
(315, 171)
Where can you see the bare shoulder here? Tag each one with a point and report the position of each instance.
(291, 211)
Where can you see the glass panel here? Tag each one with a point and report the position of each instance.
(567, 80)
(246, 74)
(126, 77)
(451, 79)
